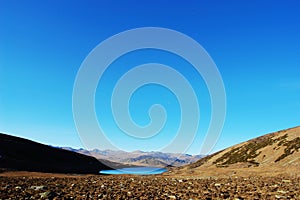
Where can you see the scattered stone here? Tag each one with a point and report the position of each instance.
(172, 197)
(280, 197)
(47, 195)
(148, 187)
(282, 192)
(42, 187)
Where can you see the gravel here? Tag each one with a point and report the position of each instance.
(149, 187)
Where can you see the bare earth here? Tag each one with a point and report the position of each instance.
(24, 185)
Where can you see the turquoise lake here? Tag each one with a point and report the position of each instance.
(135, 170)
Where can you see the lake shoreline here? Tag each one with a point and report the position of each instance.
(135, 171)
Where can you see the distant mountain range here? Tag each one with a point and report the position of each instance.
(274, 153)
(22, 154)
(140, 158)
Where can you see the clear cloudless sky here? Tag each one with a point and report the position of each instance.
(255, 44)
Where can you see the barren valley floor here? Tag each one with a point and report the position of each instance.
(52, 186)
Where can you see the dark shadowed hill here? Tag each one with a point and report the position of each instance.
(22, 154)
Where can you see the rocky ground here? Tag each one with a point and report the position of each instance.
(147, 187)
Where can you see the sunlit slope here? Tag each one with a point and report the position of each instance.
(277, 152)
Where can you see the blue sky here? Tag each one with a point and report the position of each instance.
(255, 45)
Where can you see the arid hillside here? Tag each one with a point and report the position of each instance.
(274, 153)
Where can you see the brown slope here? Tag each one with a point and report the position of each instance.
(274, 153)
(22, 154)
